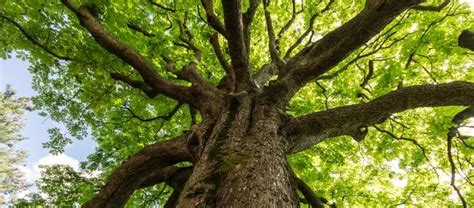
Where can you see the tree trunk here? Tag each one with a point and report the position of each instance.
(243, 160)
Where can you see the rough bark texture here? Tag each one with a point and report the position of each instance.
(151, 162)
(239, 150)
(243, 163)
(353, 120)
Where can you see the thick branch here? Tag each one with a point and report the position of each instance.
(142, 66)
(212, 19)
(33, 40)
(237, 49)
(189, 72)
(326, 53)
(466, 40)
(152, 175)
(352, 119)
(134, 173)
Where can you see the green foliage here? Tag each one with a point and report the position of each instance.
(31, 200)
(11, 124)
(57, 141)
(380, 171)
(63, 186)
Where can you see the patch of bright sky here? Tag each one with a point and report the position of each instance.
(15, 73)
(468, 129)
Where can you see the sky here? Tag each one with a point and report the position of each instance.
(15, 73)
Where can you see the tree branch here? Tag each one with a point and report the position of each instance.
(271, 69)
(313, 128)
(172, 176)
(250, 13)
(156, 176)
(128, 55)
(265, 73)
(137, 28)
(310, 28)
(162, 6)
(326, 53)
(308, 194)
(237, 49)
(177, 182)
(33, 40)
(287, 26)
(135, 172)
(212, 19)
(189, 72)
(214, 39)
(423, 150)
(166, 117)
(248, 17)
(150, 92)
(451, 135)
(272, 44)
(228, 81)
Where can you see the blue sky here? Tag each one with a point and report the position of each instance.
(15, 72)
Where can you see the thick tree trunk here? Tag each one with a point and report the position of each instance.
(243, 161)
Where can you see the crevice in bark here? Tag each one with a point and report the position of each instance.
(239, 149)
(222, 163)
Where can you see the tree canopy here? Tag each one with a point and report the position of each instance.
(366, 74)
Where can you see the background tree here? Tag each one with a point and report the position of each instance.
(63, 186)
(251, 91)
(30, 200)
(11, 124)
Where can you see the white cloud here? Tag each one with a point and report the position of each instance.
(60, 159)
(34, 172)
(466, 131)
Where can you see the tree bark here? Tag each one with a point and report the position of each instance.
(239, 157)
(243, 162)
(239, 149)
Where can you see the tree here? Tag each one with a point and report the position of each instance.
(31, 200)
(63, 186)
(11, 122)
(232, 103)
